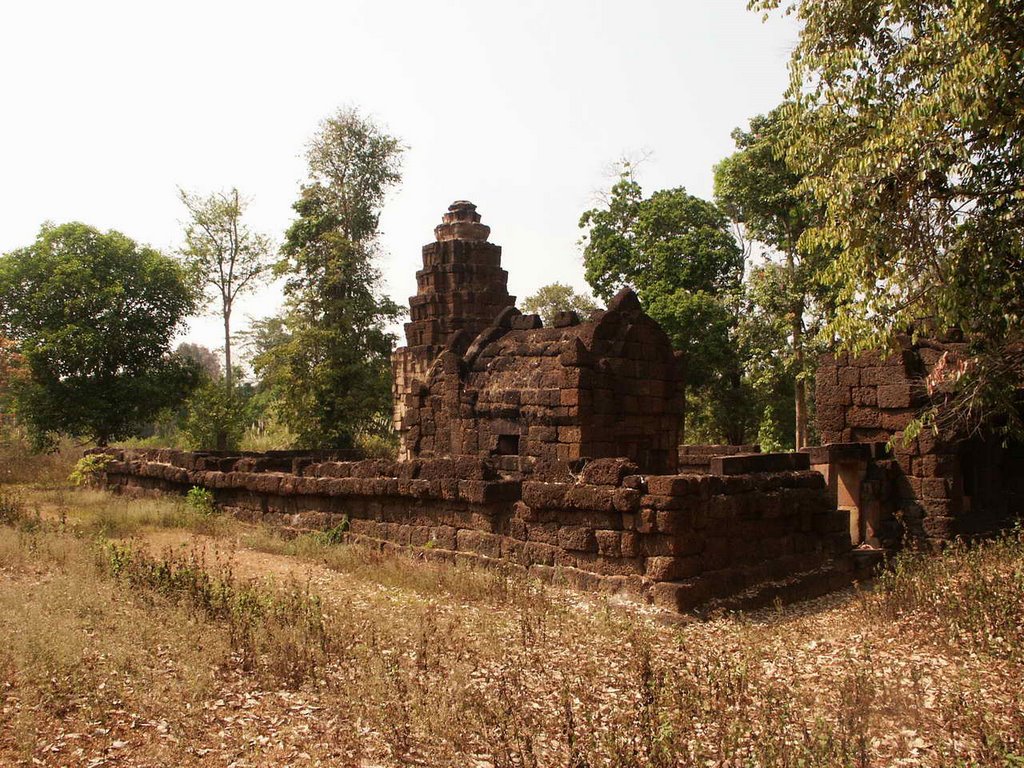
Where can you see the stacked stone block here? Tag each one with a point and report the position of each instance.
(603, 388)
(920, 485)
(680, 541)
(697, 458)
(459, 291)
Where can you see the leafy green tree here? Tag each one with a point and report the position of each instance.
(554, 298)
(226, 257)
(907, 125)
(676, 251)
(330, 356)
(215, 417)
(93, 315)
(757, 189)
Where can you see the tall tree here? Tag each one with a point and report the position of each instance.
(757, 188)
(94, 314)
(676, 251)
(331, 363)
(554, 298)
(226, 257)
(908, 126)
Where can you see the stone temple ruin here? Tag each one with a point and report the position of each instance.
(480, 379)
(554, 450)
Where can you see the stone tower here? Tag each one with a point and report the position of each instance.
(459, 292)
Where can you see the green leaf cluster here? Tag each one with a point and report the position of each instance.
(907, 122)
(93, 315)
(784, 297)
(553, 298)
(677, 252)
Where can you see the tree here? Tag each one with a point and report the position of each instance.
(204, 358)
(554, 298)
(907, 125)
(93, 315)
(226, 257)
(757, 189)
(331, 359)
(12, 370)
(675, 250)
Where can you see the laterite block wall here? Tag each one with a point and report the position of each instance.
(680, 541)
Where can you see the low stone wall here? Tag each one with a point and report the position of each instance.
(697, 458)
(680, 541)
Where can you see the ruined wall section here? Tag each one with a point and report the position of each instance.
(933, 487)
(459, 292)
(678, 541)
(608, 387)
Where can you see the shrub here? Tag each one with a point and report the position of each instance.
(88, 468)
(215, 418)
(200, 500)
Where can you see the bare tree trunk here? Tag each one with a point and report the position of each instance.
(228, 380)
(800, 386)
(682, 420)
(222, 435)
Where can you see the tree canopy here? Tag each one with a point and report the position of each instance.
(330, 357)
(553, 298)
(676, 251)
(93, 314)
(907, 124)
(760, 191)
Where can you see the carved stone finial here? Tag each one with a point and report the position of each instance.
(462, 222)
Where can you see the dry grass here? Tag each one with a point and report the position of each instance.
(185, 649)
(19, 463)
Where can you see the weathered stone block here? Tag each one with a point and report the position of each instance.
(479, 542)
(577, 538)
(671, 568)
(679, 596)
(609, 543)
(608, 471)
(895, 396)
(545, 495)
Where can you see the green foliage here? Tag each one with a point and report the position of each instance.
(200, 500)
(670, 241)
(557, 297)
(769, 433)
(93, 315)
(378, 446)
(761, 192)
(332, 536)
(215, 418)
(676, 251)
(908, 129)
(88, 468)
(327, 359)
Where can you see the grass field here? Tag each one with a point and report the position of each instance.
(149, 633)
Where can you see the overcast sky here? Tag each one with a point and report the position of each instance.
(108, 107)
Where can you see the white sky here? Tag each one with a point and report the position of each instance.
(520, 107)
